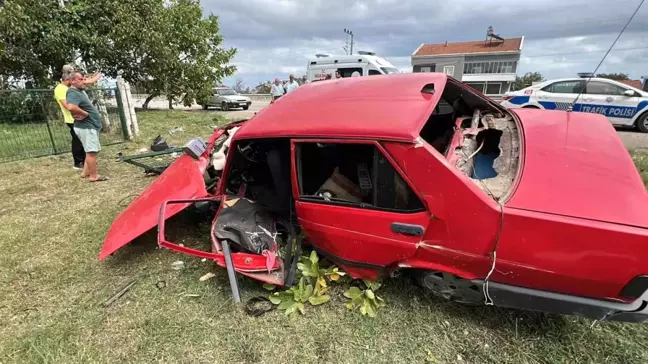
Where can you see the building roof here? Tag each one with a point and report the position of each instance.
(480, 46)
(633, 83)
(386, 107)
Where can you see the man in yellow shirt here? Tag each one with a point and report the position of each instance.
(60, 92)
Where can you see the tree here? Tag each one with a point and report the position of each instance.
(166, 47)
(263, 87)
(239, 86)
(527, 80)
(614, 76)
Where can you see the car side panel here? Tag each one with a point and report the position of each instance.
(568, 255)
(471, 218)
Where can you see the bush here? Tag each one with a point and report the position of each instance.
(25, 106)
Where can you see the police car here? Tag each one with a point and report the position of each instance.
(622, 104)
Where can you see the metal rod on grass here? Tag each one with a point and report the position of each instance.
(230, 272)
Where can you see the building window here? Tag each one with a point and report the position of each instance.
(448, 70)
(479, 86)
(426, 69)
(493, 88)
(489, 67)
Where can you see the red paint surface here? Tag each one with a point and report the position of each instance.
(183, 179)
(389, 107)
(569, 255)
(577, 165)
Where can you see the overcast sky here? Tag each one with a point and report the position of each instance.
(276, 37)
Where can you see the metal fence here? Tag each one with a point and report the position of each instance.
(31, 122)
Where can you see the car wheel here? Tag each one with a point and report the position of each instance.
(642, 123)
(450, 287)
(224, 106)
(245, 107)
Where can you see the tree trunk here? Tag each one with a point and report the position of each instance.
(170, 103)
(148, 100)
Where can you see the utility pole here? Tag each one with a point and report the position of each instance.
(349, 32)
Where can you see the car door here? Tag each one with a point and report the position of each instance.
(560, 95)
(354, 205)
(215, 96)
(608, 99)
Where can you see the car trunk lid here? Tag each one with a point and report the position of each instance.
(576, 165)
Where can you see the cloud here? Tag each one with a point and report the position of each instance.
(275, 38)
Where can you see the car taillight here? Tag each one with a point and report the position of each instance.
(506, 97)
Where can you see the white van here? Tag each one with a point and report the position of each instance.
(364, 63)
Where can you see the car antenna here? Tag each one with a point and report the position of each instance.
(606, 54)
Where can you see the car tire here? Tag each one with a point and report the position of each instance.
(245, 107)
(642, 123)
(224, 106)
(450, 287)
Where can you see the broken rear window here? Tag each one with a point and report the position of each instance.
(352, 174)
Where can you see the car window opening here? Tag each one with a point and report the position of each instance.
(478, 138)
(356, 175)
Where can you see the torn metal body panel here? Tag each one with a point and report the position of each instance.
(434, 179)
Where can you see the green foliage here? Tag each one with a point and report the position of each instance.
(166, 46)
(24, 106)
(365, 299)
(263, 87)
(614, 76)
(312, 288)
(526, 80)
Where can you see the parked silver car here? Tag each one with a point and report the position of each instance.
(227, 98)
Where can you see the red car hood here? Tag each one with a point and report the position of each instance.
(183, 179)
(576, 165)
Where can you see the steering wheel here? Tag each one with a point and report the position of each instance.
(248, 150)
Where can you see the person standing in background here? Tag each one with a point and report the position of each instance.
(60, 92)
(276, 91)
(87, 124)
(292, 84)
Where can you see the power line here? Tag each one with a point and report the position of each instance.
(608, 51)
(583, 52)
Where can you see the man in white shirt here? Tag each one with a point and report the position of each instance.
(292, 84)
(277, 90)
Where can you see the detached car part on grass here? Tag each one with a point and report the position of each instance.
(530, 209)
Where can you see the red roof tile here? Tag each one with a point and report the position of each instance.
(633, 83)
(480, 46)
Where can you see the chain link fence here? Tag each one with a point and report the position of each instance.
(31, 122)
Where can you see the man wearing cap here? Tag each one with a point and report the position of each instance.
(60, 91)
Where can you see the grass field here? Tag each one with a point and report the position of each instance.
(53, 290)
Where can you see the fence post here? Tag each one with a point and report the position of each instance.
(122, 116)
(46, 117)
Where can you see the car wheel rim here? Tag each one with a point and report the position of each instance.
(645, 122)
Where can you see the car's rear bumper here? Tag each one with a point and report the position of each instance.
(504, 295)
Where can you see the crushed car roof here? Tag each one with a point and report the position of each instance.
(385, 107)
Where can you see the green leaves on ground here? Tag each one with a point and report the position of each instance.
(312, 288)
(365, 299)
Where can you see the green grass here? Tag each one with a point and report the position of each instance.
(53, 288)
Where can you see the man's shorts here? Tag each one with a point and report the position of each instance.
(89, 139)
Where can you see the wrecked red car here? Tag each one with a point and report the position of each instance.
(529, 209)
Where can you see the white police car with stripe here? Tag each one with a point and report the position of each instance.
(622, 104)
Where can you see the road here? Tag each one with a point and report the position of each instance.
(631, 139)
